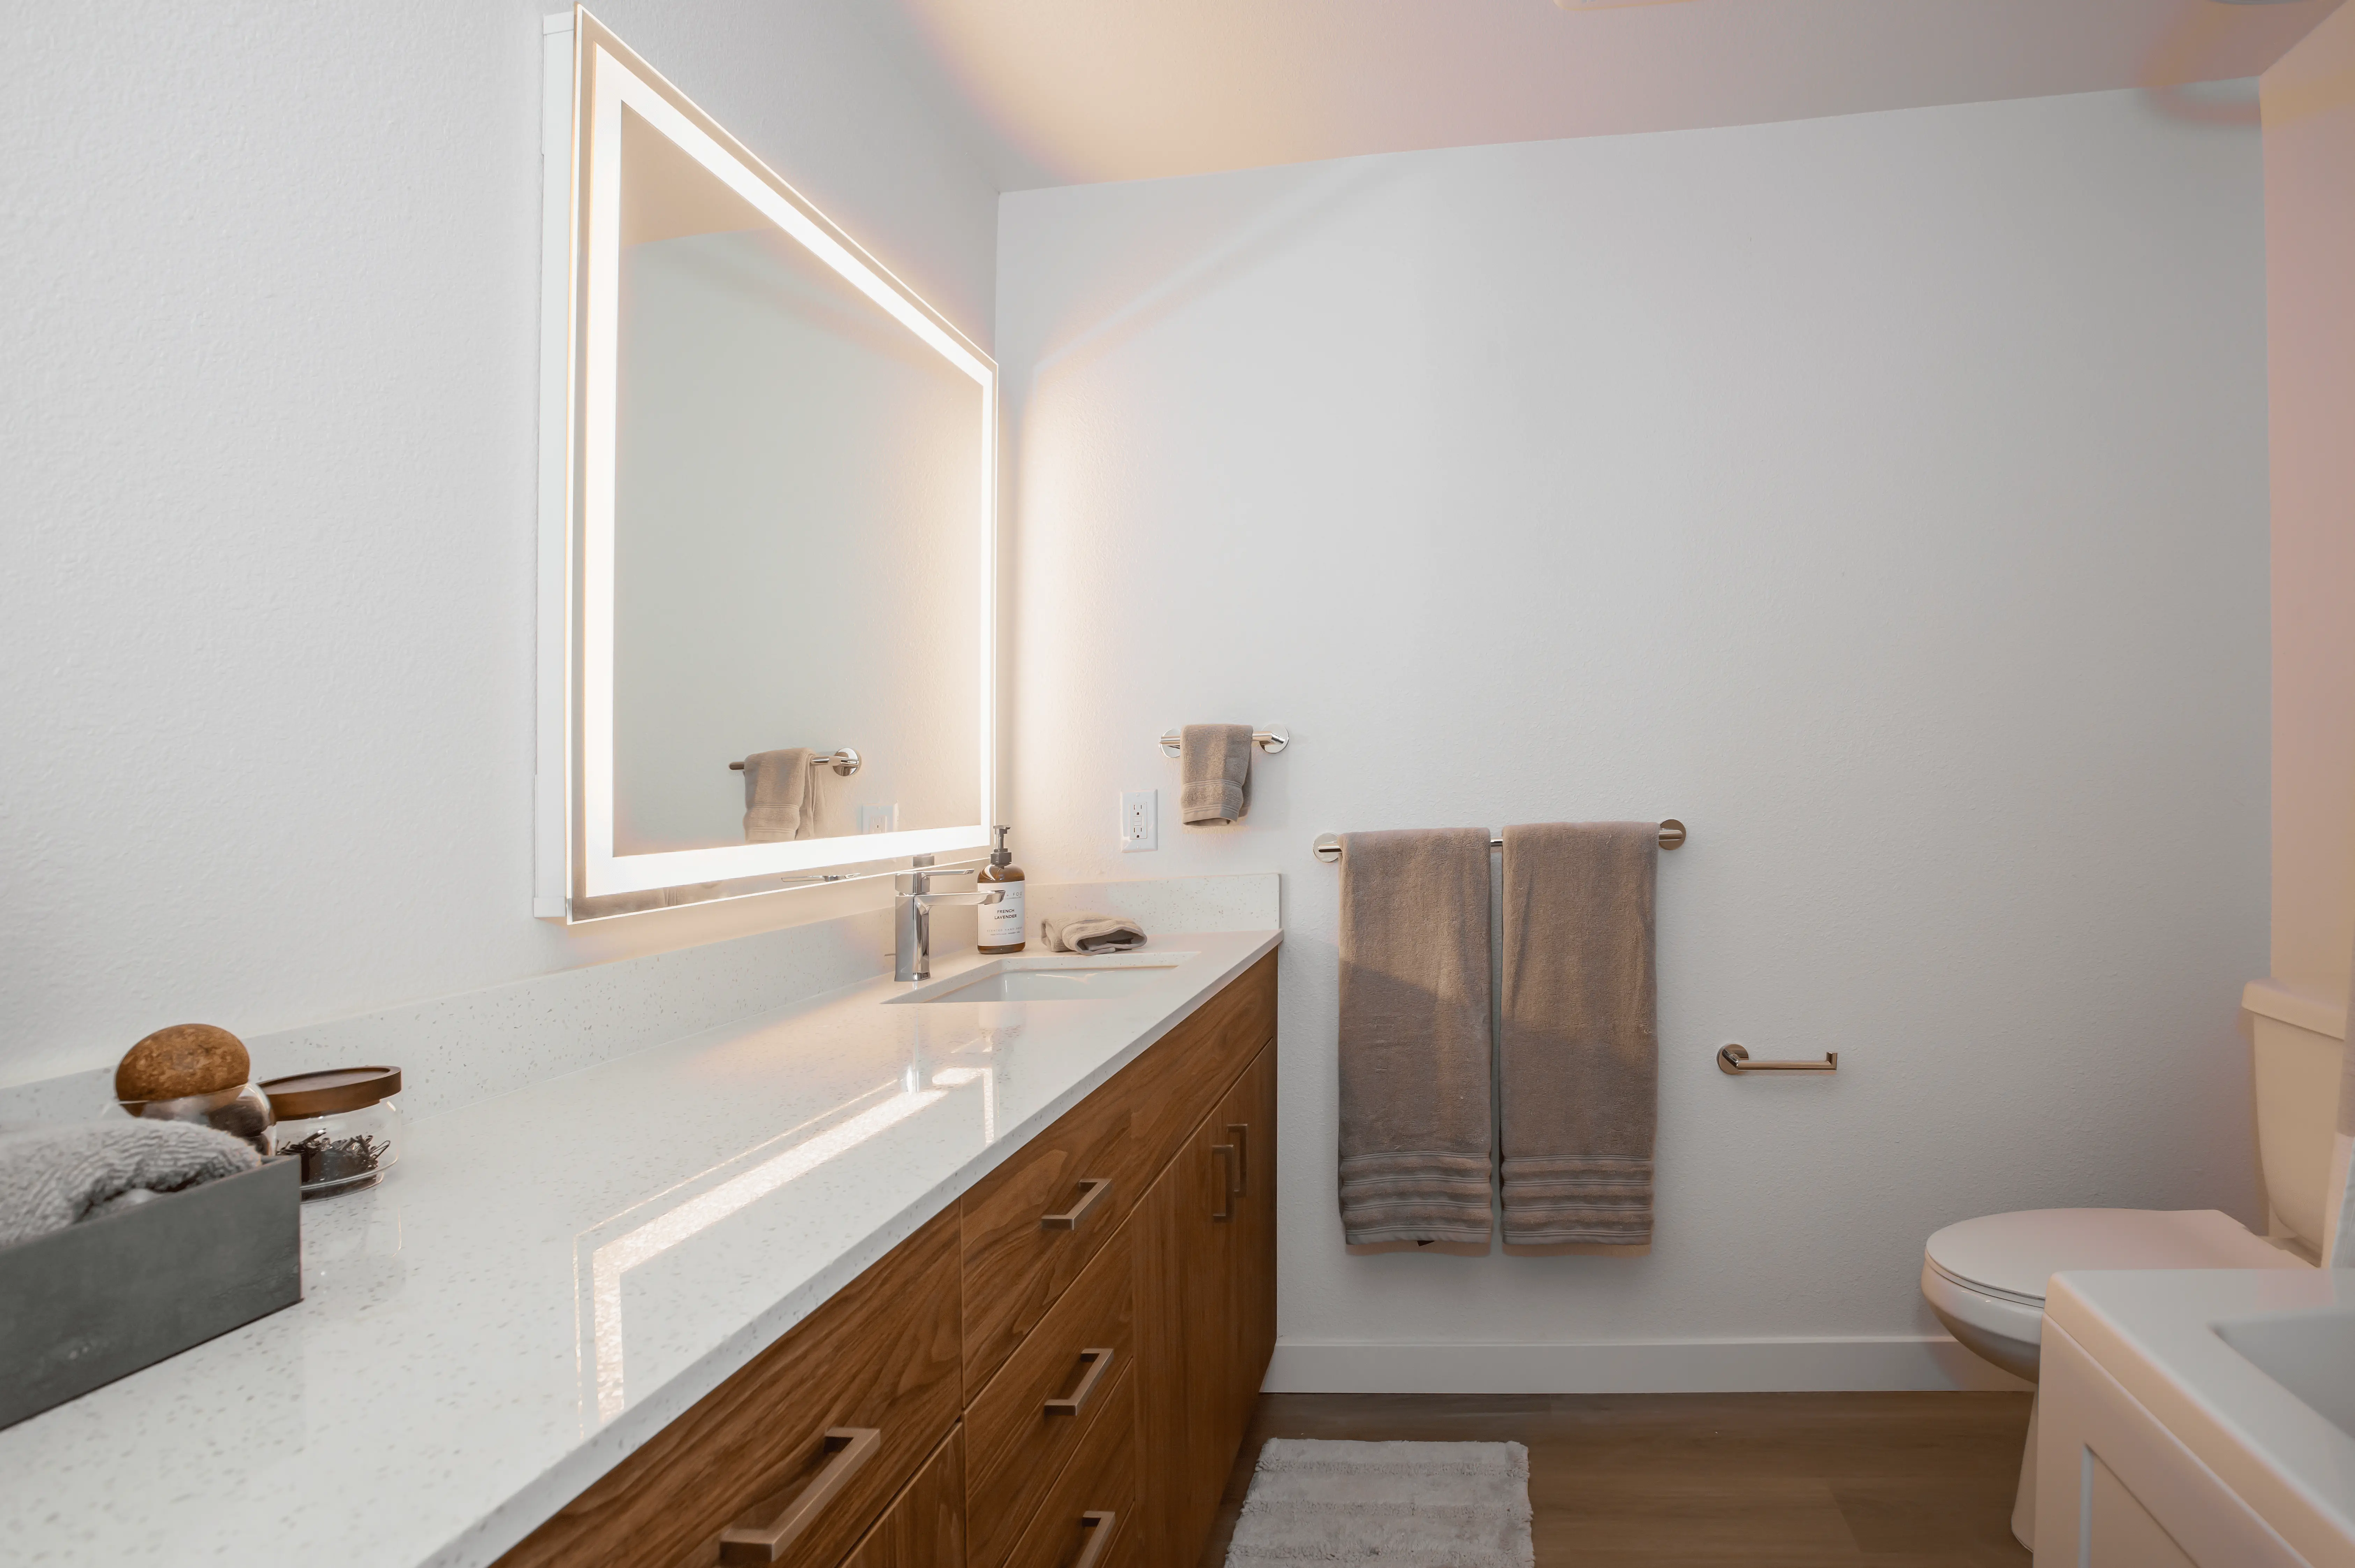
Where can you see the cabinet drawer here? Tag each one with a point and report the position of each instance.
(880, 1357)
(1020, 1433)
(1028, 1227)
(1101, 1480)
(925, 1528)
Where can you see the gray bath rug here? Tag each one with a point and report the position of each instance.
(1401, 1505)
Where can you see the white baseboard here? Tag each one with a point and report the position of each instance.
(1688, 1366)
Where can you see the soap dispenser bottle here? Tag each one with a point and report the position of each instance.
(1003, 924)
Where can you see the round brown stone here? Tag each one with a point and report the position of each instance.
(185, 1059)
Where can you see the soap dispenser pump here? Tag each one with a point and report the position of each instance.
(1004, 926)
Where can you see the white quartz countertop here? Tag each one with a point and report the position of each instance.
(2154, 1332)
(550, 1276)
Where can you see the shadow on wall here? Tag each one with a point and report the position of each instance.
(2174, 71)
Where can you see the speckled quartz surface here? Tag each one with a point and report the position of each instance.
(551, 1276)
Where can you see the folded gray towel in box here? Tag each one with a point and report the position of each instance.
(1088, 932)
(52, 1176)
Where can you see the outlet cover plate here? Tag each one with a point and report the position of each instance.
(1140, 821)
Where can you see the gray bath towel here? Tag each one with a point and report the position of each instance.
(1416, 1140)
(1578, 1033)
(1088, 932)
(51, 1176)
(780, 798)
(1214, 762)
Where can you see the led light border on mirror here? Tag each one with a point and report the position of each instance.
(590, 77)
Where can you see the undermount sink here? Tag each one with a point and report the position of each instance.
(2312, 1354)
(1061, 978)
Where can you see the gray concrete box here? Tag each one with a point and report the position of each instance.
(96, 1301)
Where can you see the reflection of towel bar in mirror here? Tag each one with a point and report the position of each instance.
(845, 762)
(1272, 739)
(1327, 847)
(1736, 1061)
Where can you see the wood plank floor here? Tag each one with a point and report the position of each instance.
(1664, 1480)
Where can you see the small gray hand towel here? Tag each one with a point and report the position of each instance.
(1088, 932)
(1214, 765)
(1417, 1141)
(1578, 1033)
(780, 801)
(51, 1176)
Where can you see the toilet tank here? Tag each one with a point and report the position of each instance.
(2300, 1038)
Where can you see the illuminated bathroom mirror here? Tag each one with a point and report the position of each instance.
(768, 524)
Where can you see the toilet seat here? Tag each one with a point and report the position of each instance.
(2012, 1257)
(1985, 1277)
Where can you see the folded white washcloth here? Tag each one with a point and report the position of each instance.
(1088, 932)
(51, 1176)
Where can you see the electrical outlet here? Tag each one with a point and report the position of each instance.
(1140, 820)
(882, 818)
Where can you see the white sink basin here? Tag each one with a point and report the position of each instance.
(1061, 978)
(2312, 1354)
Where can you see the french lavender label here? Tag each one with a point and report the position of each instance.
(1002, 924)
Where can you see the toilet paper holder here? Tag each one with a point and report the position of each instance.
(1735, 1061)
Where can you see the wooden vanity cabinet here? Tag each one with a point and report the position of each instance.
(1055, 1373)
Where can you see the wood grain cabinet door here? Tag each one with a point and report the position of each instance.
(820, 1430)
(1245, 1123)
(925, 1528)
(1205, 1314)
(1185, 1275)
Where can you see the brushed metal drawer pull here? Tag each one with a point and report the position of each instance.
(1099, 1526)
(851, 1447)
(1228, 1161)
(1099, 1361)
(1240, 1132)
(1068, 1220)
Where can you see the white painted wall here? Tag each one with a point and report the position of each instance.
(1885, 496)
(267, 568)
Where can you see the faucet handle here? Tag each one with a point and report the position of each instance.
(913, 881)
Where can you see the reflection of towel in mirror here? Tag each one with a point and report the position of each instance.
(1088, 932)
(779, 803)
(1214, 764)
(51, 1176)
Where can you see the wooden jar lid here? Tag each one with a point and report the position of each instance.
(322, 1094)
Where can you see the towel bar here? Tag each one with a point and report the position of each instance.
(1734, 1060)
(1272, 739)
(845, 762)
(1327, 847)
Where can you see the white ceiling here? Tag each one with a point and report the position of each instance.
(1078, 90)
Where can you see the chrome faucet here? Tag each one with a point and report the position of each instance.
(911, 915)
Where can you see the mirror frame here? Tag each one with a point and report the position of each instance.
(590, 76)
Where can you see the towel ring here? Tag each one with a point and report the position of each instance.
(1272, 739)
(845, 762)
(1327, 847)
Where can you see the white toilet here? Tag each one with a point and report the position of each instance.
(1985, 1277)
